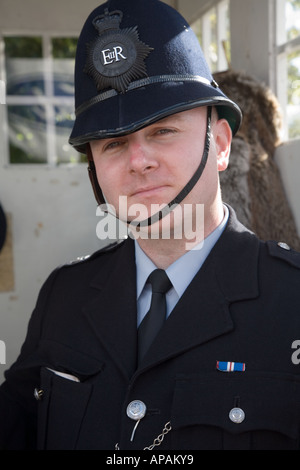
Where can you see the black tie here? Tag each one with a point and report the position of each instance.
(156, 316)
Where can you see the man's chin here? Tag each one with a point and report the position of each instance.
(180, 222)
(140, 214)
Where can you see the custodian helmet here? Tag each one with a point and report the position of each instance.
(138, 62)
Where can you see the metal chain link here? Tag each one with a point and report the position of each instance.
(158, 440)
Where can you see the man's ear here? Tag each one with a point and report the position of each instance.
(223, 137)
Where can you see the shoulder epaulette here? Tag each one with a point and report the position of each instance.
(105, 249)
(283, 251)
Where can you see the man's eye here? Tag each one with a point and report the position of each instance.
(166, 131)
(112, 145)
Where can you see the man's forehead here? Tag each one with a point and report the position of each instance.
(181, 116)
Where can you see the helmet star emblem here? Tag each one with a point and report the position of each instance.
(116, 57)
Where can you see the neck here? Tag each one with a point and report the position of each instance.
(163, 252)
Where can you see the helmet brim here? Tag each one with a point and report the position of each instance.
(126, 113)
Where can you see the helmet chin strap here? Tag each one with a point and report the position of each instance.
(177, 200)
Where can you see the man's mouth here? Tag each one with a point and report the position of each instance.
(148, 191)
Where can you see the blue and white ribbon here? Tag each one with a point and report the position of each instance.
(227, 366)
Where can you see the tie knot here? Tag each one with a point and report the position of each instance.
(160, 281)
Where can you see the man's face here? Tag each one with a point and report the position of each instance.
(151, 166)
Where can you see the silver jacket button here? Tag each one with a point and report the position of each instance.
(237, 415)
(38, 394)
(136, 410)
(283, 245)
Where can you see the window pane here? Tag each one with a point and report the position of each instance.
(23, 47)
(197, 28)
(213, 32)
(24, 66)
(293, 107)
(24, 77)
(63, 77)
(63, 51)
(38, 128)
(64, 120)
(292, 12)
(64, 48)
(27, 134)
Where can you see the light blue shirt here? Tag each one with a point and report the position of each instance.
(180, 273)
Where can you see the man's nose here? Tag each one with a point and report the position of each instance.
(141, 158)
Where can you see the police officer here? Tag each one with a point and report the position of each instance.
(184, 335)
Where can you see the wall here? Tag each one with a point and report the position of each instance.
(53, 217)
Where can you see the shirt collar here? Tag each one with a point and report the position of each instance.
(182, 271)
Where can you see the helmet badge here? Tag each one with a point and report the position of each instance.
(116, 57)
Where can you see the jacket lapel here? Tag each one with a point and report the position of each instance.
(112, 312)
(203, 312)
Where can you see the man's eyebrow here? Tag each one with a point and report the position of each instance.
(172, 117)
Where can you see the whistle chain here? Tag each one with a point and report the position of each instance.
(158, 440)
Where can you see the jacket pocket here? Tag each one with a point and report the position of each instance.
(62, 358)
(236, 411)
(66, 384)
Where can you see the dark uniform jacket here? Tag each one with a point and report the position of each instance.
(243, 306)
